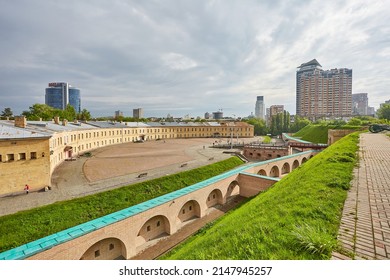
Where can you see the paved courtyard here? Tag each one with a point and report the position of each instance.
(365, 226)
(118, 165)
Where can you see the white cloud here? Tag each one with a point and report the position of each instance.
(178, 61)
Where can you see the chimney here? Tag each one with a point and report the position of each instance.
(57, 120)
(20, 121)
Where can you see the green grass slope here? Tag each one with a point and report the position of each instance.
(297, 218)
(26, 226)
(318, 133)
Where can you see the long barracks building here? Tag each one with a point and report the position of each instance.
(31, 150)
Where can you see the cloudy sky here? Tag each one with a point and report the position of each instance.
(187, 57)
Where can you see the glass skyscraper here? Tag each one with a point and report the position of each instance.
(59, 95)
(260, 108)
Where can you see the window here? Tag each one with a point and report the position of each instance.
(190, 208)
(33, 155)
(10, 157)
(22, 156)
(184, 211)
(1, 158)
(148, 228)
(158, 223)
(97, 253)
(111, 247)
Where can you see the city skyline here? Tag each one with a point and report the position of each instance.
(187, 57)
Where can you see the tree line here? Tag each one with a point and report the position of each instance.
(44, 112)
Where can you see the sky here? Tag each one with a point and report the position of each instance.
(183, 57)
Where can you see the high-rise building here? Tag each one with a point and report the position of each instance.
(360, 104)
(273, 111)
(118, 114)
(59, 95)
(260, 108)
(138, 113)
(323, 93)
(276, 109)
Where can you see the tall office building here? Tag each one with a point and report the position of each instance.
(59, 95)
(138, 113)
(323, 93)
(118, 114)
(360, 104)
(260, 108)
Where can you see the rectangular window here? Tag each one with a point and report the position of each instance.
(33, 155)
(22, 156)
(10, 157)
(97, 253)
(111, 247)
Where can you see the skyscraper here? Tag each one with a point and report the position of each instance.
(323, 93)
(59, 95)
(138, 113)
(260, 108)
(360, 104)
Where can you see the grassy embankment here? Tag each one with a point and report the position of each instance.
(318, 133)
(266, 139)
(297, 218)
(25, 226)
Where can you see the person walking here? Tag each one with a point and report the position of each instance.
(27, 188)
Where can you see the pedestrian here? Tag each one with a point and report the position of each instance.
(27, 188)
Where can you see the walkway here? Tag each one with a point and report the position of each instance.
(365, 225)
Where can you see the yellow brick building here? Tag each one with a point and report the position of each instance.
(30, 151)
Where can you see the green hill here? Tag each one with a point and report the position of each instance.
(297, 218)
(314, 133)
(318, 133)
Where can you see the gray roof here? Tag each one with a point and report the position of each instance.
(9, 131)
(311, 62)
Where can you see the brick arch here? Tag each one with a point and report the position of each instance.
(155, 227)
(190, 210)
(304, 160)
(286, 168)
(106, 249)
(274, 171)
(233, 189)
(295, 164)
(214, 198)
(262, 172)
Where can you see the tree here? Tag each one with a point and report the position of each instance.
(69, 113)
(39, 111)
(259, 125)
(7, 112)
(299, 123)
(85, 115)
(384, 111)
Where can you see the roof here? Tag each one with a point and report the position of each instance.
(313, 62)
(9, 131)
